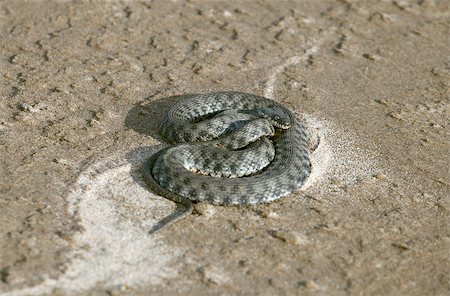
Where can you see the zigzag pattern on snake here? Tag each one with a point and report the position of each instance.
(266, 142)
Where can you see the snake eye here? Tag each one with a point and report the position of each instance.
(277, 117)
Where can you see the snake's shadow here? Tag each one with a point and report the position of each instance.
(145, 118)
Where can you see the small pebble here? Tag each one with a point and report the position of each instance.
(440, 72)
(380, 176)
(4, 274)
(397, 115)
(269, 214)
(226, 13)
(21, 117)
(402, 4)
(290, 237)
(214, 275)
(338, 182)
(62, 161)
(33, 109)
(382, 102)
(427, 196)
(307, 284)
(372, 57)
(435, 125)
(205, 209)
(117, 290)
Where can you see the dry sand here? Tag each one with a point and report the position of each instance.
(84, 85)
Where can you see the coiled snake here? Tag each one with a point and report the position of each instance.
(230, 148)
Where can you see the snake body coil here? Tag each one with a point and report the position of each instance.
(223, 155)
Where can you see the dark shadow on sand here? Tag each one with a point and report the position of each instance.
(145, 118)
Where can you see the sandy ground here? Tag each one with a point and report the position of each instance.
(84, 85)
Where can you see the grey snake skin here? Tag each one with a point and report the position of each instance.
(230, 148)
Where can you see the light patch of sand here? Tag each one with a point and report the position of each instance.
(115, 249)
(335, 155)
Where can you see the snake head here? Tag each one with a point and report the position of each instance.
(275, 116)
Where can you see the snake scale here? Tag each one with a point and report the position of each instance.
(229, 148)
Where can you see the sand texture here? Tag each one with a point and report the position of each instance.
(83, 88)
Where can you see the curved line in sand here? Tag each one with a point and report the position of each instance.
(114, 249)
(333, 146)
